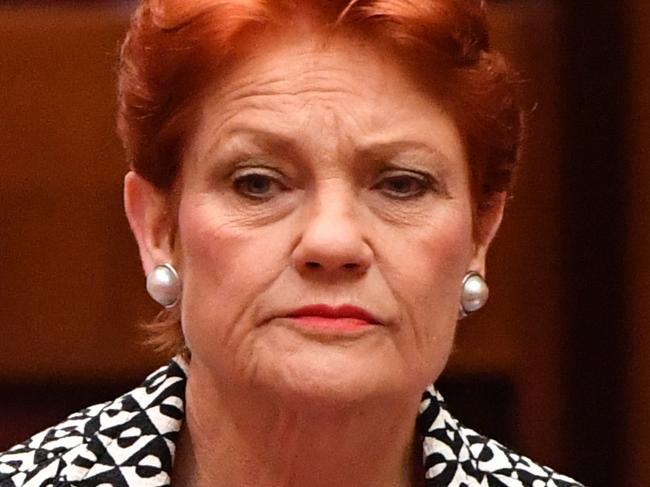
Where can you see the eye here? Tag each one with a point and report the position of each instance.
(257, 183)
(403, 184)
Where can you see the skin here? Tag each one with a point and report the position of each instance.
(319, 173)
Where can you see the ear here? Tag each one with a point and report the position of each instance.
(147, 210)
(488, 220)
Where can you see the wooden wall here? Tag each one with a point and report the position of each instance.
(637, 400)
(72, 292)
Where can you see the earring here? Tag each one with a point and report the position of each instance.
(164, 285)
(475, 294)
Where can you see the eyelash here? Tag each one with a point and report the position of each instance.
(270, 178)
(256, 174)
(424, 181)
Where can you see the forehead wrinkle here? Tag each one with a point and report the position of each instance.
(284, 86)
(291, 73)
(292, 108)
(287, 116)
(281, 83)
(307, 96)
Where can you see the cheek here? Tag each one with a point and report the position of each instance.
(224, 267)
(426, 279)
(432, 261)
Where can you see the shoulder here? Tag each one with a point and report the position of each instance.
(132, 436)
(455, 455)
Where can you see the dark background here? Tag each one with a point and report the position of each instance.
(558, 365)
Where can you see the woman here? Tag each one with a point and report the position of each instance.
(314, 188)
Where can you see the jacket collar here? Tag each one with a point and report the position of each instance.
(134, 438)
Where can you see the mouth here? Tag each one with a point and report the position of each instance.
(339, 318)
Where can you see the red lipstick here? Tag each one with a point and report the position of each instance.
(345, 317)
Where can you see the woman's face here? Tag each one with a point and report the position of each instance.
(321, 175)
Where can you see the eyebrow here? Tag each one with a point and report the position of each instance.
(285, 143)
(382, 150)
(266, 139)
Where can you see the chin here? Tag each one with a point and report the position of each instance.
(323, 376)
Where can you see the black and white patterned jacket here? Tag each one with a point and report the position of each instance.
(131, 442)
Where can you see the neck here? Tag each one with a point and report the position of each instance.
(244, 440)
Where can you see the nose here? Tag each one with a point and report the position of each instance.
(332, 240)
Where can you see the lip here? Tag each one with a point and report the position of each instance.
(345, 317)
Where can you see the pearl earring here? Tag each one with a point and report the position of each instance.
(475, 294)
(164, 285)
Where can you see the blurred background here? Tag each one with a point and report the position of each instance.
(558, 364)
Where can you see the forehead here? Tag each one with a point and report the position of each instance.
(335, 88)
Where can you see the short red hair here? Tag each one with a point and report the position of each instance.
(176, 49)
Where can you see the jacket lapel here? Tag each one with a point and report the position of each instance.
(132, 441)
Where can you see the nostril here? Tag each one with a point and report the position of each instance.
(312, 265)
(351, 265)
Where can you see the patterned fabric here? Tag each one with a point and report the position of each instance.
(131, 442)
(458, 456)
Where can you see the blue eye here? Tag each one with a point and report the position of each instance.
(403, 185)
(256, 184)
